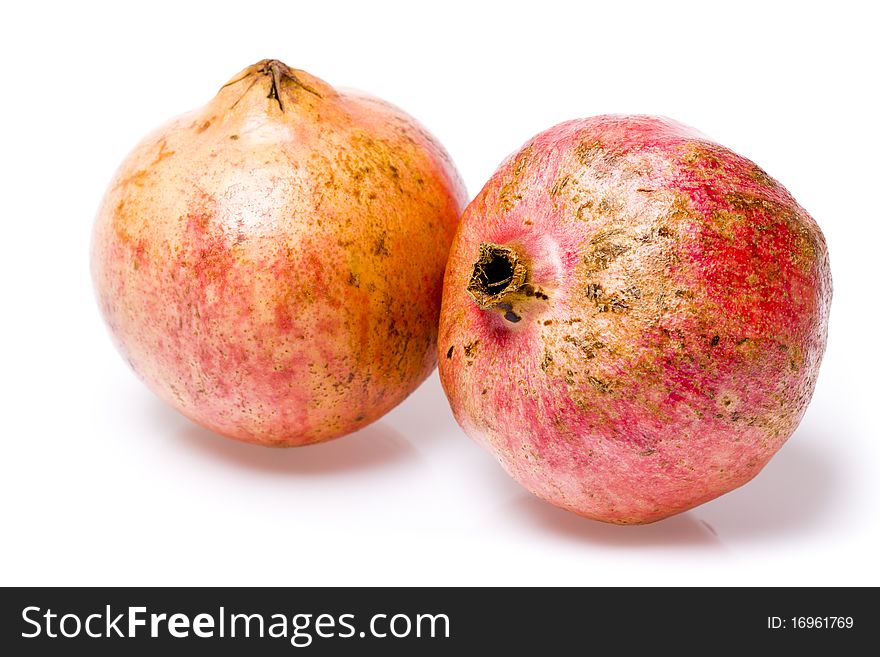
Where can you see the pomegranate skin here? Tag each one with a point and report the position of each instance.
(271, 264)
(633, 317)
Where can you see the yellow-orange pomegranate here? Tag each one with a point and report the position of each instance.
(271, 264)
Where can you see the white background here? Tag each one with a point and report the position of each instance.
(102, 484)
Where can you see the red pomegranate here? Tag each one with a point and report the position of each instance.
(633, 317)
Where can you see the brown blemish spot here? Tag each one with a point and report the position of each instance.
(359, 417)
(653, 233)
(605, 235)
(587, 151)
(470, 348)
(449, 353)
(715, 340)
(617, 303)
(163, 153)
(583, 208)
(548, 322)
(233, 137)
(354, 280)
(546, 361)
(647, 452)
(380, 248)
(599, 384)
(604, 254)
(532, 291)
(204, 126)
(585, 345)
(559, 185)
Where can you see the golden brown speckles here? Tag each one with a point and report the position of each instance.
(354, 279)
(470, 348)
(702, 155)
(522, 159)
(739, 200)
(203, 126)
(508, 197)
(757, 174)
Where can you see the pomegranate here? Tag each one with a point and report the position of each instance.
(633, 317)
(271, 264)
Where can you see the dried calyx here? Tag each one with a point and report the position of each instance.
(497, 274)
(278, 73)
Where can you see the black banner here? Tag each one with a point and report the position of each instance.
(110, 621)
